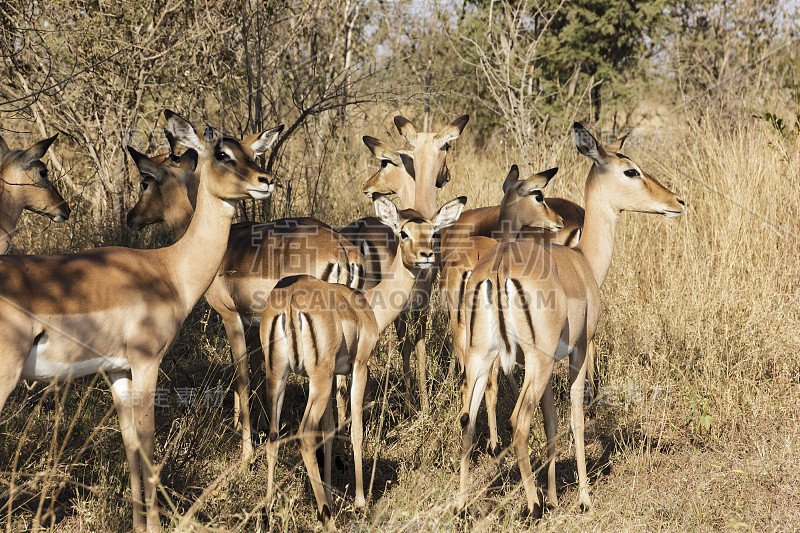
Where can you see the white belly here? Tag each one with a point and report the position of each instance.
(43, 364)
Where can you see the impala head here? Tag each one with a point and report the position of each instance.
(24, 180)
(414, 232)
(396, 175)
(622, 184)
(524, 203)
(236, 175)
(430, 153)
(162, 184)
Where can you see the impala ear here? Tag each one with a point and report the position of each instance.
(511, 178)
(382, 151)
(537, 182)
(451, 132)
(184, 133)
(188, 161)
(587, 145)
(147, 167)
(38, 150)
(616, 146)
(386, 211)
(405, 128)
(261, 142)
(449, 213)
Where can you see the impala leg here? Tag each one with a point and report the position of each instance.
(341, 401)
(538, 369)
(550, 424)
(12, 359)
(241, 408)
(145, 379)
(328, 431)
(134, 395)
(577, 376)
(476, 376)
(422, 359)
(357, 388)
(318, 400)
(491, 408)
(122, 392)
(275, 384)
(403, 327)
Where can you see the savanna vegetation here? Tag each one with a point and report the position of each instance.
(695, 421)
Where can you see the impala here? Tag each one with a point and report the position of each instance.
(320, 329)
(523, 205)
(427, 166)
(540, 304)
(257, 256)
(118, 310)
(24, 184)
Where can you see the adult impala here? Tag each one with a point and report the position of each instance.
(118, 310)
(24, 184)
(426, 164)
(321, 329)
(523, 206)
(542, 304)
(257, 256)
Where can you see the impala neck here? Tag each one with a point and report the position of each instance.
(388, 298)
(506, 233)
(195, 258)
(9, 216)
(179, 214)
(597, 238)
(407, 194)
(424, 190)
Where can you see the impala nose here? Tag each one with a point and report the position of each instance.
(681, 202)
(264, 179)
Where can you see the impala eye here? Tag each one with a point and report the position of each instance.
(43, 173)
(221, 156)
(539, 197)
(384, 163)
(144, 185)
(403, 235)
(632, 173)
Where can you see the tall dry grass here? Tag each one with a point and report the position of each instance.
(693, 428)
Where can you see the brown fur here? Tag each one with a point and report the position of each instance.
(330, 329)
(119, 310)
(549, 299)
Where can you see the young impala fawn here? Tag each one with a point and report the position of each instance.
(540, 304)
(321, 329)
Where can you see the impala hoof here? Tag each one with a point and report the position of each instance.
(495, 450)
(532, 514)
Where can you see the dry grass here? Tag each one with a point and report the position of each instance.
(699, 380)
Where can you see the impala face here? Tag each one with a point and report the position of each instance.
(160, 182)
(220, 155)
(633, 189)
(524, 203)
(25, 181)
(416, 233)
(430, 148)
(396, 175)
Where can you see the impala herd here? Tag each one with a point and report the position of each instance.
(520, 280)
